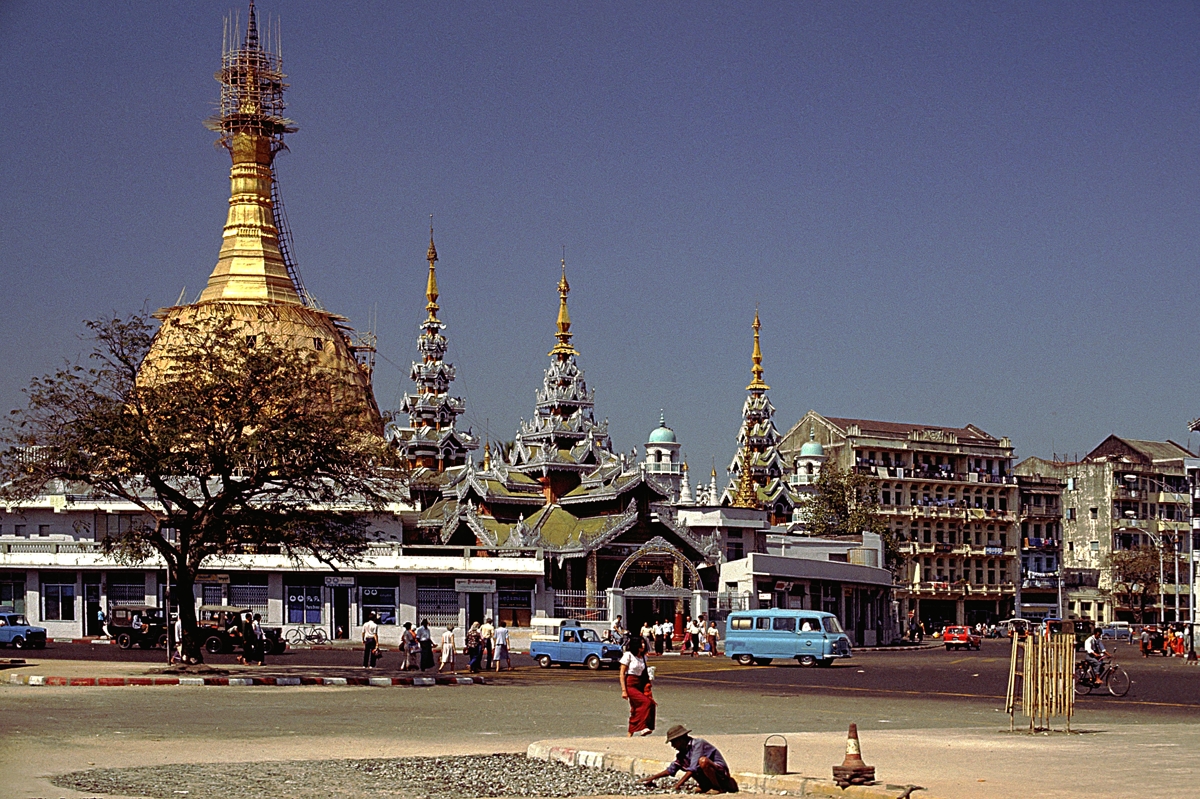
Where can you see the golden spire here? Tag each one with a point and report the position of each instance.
(431, 289)
(757, 383)
(563, 347)
(746, 495)
(487, 454)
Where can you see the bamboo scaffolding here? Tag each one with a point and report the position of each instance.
(1044, 681)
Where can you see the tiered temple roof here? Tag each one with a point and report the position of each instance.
(757, 472)
(432, 442)
(559, 487)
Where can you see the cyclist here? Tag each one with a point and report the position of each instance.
(1094, 655)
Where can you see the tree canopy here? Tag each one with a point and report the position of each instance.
(240, 444)
(1135, 574)
(846, 503)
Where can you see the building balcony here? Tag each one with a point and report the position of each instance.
(1042, 544)
(1040, 583)
(956, 590)
(1173, 498)
(1041, 511)
(932, 475)
(664, 468)
(1171, 527)
(1123, 522)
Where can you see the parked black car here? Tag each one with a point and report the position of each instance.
(143, 625)
(221, 626)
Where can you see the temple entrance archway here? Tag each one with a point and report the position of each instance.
(658, 600)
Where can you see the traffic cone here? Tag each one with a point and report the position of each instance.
(853, 770)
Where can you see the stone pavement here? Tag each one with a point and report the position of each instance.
(1140, 760)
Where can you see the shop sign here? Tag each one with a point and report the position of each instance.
(780, 585)
(221, 579)
(993, 550)
(338, 581)
(475, 586)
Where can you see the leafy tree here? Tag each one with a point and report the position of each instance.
(846, 503)
(1135, 574)
(235, 444)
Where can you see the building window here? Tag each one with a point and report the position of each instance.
(1093, 513)
(1095, 546)
(58, 601)
(380, 601)
(734, 550)
(213, 594)
(126, 589)
(304, 604)
(1071, 514)
(250, 595)
(43, 529)
(12, 593)
(18, 529)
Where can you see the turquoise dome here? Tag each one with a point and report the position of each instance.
(662, 435)
(812, 449)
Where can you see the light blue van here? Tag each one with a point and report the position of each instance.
(812, 637)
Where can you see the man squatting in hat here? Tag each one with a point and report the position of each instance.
(696, 759)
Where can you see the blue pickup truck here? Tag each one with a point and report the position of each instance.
(15, 630)
(574, 644)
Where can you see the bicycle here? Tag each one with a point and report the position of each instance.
(306, 635)
(1114, 678)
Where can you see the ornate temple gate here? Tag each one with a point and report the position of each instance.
(657, 599)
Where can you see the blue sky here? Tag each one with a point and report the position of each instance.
(948, 213)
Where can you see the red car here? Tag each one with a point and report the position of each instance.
(960, 638)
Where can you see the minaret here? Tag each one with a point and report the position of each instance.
(432, 439)
(250, 288)
(758, 439)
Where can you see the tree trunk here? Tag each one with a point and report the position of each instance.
(193, 642)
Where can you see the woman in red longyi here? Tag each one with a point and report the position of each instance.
(635, 686)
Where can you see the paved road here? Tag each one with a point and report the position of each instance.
(52, 730)
(1165, 684)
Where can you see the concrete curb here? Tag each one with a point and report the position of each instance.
(374, 682)
(786, 784)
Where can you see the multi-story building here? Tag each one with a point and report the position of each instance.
(949, 497)
(1125, 493)
(1040, 516)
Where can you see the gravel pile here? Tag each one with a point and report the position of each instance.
(411, 778)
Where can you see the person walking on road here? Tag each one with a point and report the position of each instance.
(411, 647)
(659, 643)
(501, 635)
(488, 631)
(647, 633)
(698, 760)
(1144, 638)
(448, 645)
(668, 634)
(474, 647)
(712, 637)
(370, 639)
(260, 640)
(425, 641)
(635, 687)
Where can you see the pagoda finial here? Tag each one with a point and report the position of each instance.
(563, 347)
(251, 42)
(431, 288)
(757, 383)
(487, 454)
